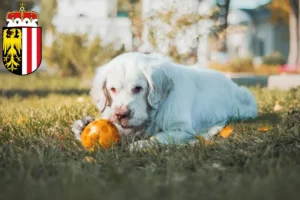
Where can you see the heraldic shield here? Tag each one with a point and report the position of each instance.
(22, 49)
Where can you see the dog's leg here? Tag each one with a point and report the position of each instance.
(216, 129)
(79, 125)
(212, 132)
(170, 137)
(173, 137)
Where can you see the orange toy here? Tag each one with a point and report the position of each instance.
(100, 132)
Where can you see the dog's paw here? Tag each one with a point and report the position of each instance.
(79, 125)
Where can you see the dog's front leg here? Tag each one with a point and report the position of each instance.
(79, 125)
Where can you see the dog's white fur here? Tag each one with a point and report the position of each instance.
(177, 102)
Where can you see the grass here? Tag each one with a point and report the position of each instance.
(40, 159)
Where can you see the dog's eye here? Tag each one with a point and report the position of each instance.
(137, 89)
(113, 89)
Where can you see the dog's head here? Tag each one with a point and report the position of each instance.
(132, 85)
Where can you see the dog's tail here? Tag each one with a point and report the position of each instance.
(247, 103)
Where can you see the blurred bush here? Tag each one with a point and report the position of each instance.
(72, 54)
(267, 69)
(241, 64)
(237, 64)
(259, 70)
(275, 58)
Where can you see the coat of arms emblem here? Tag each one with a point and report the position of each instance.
(22, 42)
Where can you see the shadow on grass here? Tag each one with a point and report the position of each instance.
(266, 118)
(40, 93)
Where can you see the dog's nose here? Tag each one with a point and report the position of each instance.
(122, 113)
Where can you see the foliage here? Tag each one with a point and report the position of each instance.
(133, 8)
(223, 14)
(275, 58)
(237, 64)
(73, 54)
(40, 159)
(267, 69)
(241, 64)
(48, 11)
(166, 26)
(279, 11)
(271, 65)
(257, 70)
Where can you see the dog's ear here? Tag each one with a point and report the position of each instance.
(99, 92)
(159, 83)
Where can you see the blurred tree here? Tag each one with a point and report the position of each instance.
(294, 23)
(48, 11)
(223, 22)
(175, 24)
(279, 11)
(287, 11)
(132, 8)
(72, 54)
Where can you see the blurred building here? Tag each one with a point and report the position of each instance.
(95, 18)
(249, 31)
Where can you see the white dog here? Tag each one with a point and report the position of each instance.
(151, 95)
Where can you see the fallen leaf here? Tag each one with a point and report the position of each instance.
(225, 132)
(263, 129)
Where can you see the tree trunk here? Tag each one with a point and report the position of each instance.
(224, 6)
(294, 25)
(298, 23)
(226, 23)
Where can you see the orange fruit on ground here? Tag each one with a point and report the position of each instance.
(100, 132)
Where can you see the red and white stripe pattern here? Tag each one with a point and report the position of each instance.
(31, 49)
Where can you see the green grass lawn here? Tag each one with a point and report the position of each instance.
(40, 159)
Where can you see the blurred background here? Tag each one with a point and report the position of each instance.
(251, 36)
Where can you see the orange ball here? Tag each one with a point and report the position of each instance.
(100, 132)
